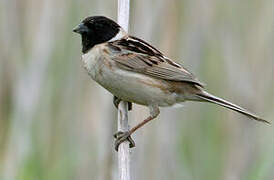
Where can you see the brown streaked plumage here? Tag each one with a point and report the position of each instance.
(134, 71)
(141, 57)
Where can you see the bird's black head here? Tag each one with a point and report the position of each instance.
(95, 30)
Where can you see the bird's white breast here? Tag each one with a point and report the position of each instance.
(91, 61)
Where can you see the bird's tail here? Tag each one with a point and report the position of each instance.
(205, 96)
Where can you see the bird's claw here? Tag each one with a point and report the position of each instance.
(121, 137)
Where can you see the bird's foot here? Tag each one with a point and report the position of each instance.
(121, 137)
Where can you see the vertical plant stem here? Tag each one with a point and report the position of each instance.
(123, 13)
(123, 150)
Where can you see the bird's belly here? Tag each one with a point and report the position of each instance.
(134, 87)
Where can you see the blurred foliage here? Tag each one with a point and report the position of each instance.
(55, 123)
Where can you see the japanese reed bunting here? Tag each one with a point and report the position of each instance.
(136, 72)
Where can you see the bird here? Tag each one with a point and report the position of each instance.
(136, 72)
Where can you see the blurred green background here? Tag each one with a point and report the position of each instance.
(57, 124)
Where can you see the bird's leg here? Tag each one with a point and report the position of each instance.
(123, 136)
(116, 102)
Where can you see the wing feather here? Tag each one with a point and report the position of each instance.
(138, 56)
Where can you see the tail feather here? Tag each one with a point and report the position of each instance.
(216, 100)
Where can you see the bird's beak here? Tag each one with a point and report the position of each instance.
(81, 28)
